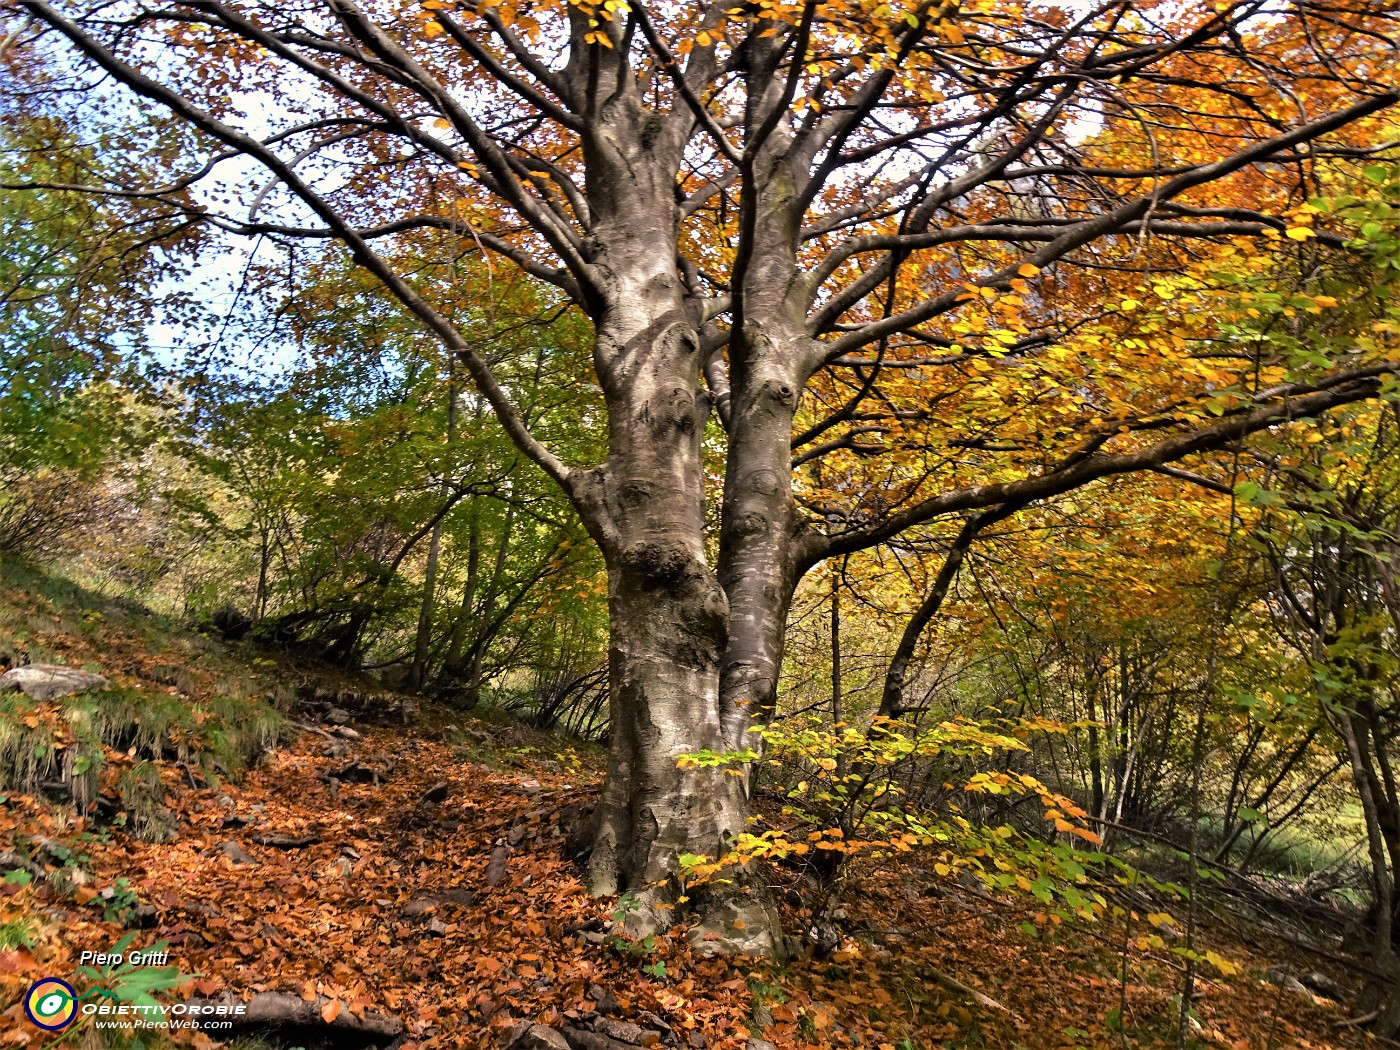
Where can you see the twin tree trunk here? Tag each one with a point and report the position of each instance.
(671, 624)
(674, 625)
(694, 649)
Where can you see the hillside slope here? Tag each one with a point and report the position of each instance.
(365, 873)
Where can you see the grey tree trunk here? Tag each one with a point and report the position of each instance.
(668, 622)
(645, 507)
(758, 540)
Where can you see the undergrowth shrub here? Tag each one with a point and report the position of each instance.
(895, 788)
(42, 514)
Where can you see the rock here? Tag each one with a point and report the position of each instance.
(579, 1039)
(605, 1003)
(1323, 986)
(437, 793)
(437, 927)
(235, 853)
(762, 1016)
(755, 1043)
(346, 733)
(517, 834)
(698, 1040)
(42, 682)
(337, 716)
(418, 907)
(496, 866)
(622, 1031)
(536, 1037)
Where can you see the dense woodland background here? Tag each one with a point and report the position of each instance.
(1160, 704)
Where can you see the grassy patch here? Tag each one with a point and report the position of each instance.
(178, 701)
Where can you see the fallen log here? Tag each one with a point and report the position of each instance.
(300, 1022)
(286, 841)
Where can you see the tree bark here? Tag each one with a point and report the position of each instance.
(645, 508)
(759, 527)
(668, 626)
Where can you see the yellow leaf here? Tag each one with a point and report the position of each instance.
(1298, 233)
(1027, 270)
(330, 1011)
(1222, 964)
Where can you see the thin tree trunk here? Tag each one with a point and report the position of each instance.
(422, 643)
(892, 702)
(838, 703)
(1382, 991)
(466, 612)
(838, 706)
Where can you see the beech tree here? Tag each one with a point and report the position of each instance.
(886, 253)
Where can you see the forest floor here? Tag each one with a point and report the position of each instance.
(415, 873)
